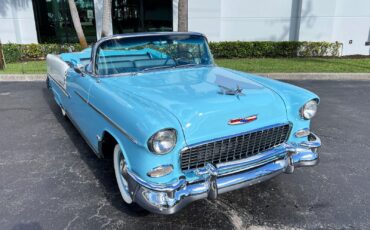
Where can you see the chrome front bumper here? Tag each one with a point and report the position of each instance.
(170, 198)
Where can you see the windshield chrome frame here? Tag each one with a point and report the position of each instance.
(122, 36)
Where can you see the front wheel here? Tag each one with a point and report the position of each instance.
(120, 169)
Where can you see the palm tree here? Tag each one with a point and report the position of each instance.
(2, 61)
(107, 18)
(183, 15)
(77, 23)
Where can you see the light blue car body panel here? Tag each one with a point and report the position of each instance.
(132, 108)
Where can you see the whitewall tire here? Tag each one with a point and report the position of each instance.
(120, 169)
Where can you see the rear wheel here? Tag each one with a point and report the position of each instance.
(63, 112)
(48, 83)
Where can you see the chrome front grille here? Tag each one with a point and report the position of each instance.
(234, 148)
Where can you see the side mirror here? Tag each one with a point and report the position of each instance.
(79, 69)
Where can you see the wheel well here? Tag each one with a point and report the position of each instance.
(107, 145)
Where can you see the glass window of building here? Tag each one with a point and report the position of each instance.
(141, 16)
(54, 22)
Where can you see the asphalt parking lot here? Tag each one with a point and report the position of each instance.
(50, 179)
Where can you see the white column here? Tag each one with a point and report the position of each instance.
(295, 20)
(98, 7)
(175, 5)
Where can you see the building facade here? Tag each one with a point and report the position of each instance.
(345, 21)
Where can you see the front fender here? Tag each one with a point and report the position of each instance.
(138, 117)
(135, 117)
(294, 98)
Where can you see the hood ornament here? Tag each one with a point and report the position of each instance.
(242, 121)
(227, 91)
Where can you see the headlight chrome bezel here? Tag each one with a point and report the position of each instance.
(305, 114)
(161, 134)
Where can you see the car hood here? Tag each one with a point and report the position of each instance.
(197, 97)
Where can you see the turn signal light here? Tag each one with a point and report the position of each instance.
(160, 171)
(302, 133)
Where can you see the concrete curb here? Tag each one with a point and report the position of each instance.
(22, 77)
(277, 76)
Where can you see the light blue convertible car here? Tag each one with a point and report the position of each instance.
(179, 127)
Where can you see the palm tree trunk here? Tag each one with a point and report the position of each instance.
(183, 15)
(107, 18)
(77, 23)
(2, 61)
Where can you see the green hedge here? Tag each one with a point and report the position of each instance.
(17, 53)
(270, 49)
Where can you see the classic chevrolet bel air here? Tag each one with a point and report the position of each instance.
(178, 127)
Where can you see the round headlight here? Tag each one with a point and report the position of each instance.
(163, 141)
(309, 110)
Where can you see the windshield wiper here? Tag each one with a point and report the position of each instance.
(192, 65)
(171, 67)
(156, 68)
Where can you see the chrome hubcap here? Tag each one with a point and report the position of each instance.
(123, 172)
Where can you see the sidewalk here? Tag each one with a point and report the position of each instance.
(277, 76)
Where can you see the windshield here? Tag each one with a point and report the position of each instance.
(146, 53)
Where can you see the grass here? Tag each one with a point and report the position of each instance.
(258, 65)
(31, 67)
(298, 65)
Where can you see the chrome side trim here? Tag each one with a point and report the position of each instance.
(82, 98)
(114, 124)
(59, 86)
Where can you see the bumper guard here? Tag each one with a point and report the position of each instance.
(170, 198)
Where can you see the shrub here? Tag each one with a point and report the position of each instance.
(17, 52)
(268, 49)
(237, 49)
(12, 53)
(314, 49)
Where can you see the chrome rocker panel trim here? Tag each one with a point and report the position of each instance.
(171, 198)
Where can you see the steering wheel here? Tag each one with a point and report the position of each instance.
(179, 57)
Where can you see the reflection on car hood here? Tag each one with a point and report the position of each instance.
(205, 99)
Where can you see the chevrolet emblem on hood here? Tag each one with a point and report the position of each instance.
(241, 121)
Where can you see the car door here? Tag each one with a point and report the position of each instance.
(78, 86)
